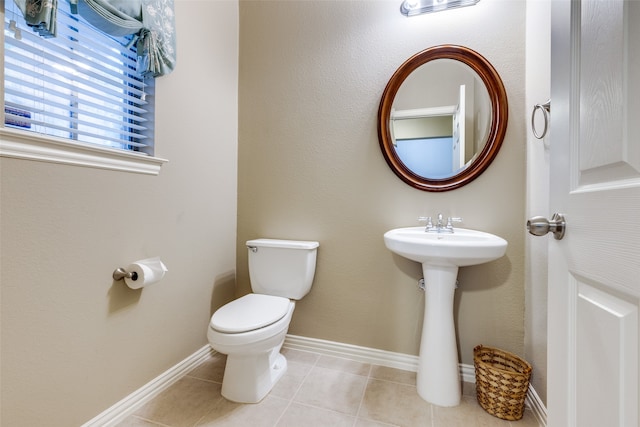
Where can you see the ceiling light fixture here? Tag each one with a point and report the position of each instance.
(417, 7)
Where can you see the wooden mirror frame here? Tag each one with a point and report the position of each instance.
(497, 130)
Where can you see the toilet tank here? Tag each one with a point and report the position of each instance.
(282, 268)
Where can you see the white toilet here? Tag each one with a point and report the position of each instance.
(251, 329)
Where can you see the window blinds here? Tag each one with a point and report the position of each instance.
(81, 85)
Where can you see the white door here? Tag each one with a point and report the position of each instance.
(594, 271)
(459, 133)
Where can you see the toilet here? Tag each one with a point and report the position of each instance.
(252, 329)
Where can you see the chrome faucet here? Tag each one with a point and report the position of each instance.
(440, 226)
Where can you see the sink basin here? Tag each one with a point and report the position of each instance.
(462, 248)
(441, 254)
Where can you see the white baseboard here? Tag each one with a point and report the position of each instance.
(389, 359)
(399, 361)
(537, 406)
(402, 361)
(127, 406)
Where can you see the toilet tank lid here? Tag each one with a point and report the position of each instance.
(288, 244)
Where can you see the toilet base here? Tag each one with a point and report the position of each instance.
(249, 377)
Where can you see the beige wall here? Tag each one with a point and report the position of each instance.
(311, 78)
(73, 341)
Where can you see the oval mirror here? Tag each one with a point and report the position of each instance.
(442, 118)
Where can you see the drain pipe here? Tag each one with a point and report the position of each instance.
(421, 284)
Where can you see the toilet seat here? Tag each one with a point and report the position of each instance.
(248, 313)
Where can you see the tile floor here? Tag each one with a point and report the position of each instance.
(317, 390)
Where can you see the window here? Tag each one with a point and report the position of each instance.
(80, 86)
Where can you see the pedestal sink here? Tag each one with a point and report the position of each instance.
(441, 254)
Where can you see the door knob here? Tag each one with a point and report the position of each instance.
(539, 226)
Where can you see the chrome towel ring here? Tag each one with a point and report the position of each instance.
(546, 111)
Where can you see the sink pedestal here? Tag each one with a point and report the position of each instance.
(438, 379)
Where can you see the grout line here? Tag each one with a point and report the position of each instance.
(202, 417)
(433, 415)
(284, 412)
(308, 405)
(364, 392)
(203, 379)
(393, 382)
(304, 378)
(157, 423)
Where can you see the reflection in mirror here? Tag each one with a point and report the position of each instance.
(442, 118)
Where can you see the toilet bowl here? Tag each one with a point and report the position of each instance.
(252, 329)
(254, 363)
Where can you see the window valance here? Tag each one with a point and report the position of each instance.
(151, 22)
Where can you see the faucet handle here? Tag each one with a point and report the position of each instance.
(451, 220)
(428, 220)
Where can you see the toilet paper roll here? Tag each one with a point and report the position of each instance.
(145, 272)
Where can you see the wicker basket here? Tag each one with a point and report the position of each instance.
(502, 381)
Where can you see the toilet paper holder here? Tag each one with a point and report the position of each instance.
(121, 274)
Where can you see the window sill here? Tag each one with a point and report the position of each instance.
(26, 145)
